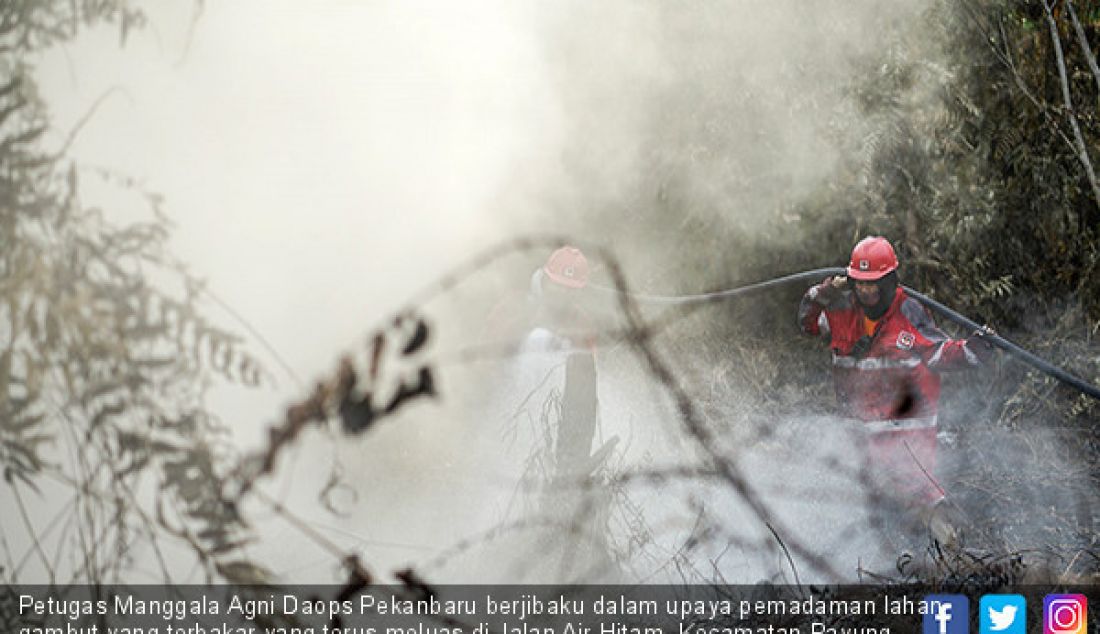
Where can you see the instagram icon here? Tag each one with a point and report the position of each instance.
(1065, 614)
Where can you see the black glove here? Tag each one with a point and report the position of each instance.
(980, 345)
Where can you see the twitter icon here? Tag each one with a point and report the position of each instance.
(1003, 614)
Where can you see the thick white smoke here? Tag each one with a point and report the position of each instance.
(324, 161)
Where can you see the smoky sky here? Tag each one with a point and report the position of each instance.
(322, 161)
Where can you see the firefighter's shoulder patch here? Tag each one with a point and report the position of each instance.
(906, 340)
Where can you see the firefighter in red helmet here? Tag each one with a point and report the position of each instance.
(548, 394)
(567, 267)
(887, 356)
(556, 297)
(553, 327)
(553, 307)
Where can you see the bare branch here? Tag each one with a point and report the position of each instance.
(1006, 58)
(87, 116)
(689, 415)
(32, 533)
(196, 15)
(1082, 149)
(1084, 42)
(787, 553)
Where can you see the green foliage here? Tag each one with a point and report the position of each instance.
(970, 165)
(948, 128)
(30, 25)
(994, 185)
(1004, 224)
(102, 364)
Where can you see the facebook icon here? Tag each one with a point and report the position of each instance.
(946, 614)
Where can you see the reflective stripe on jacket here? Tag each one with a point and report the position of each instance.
(896, 375)
(890, 382)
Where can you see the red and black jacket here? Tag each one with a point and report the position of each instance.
(894, 373)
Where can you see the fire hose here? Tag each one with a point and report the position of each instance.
(1014, 350)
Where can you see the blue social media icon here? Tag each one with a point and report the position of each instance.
(946, 614)
(1003, 614)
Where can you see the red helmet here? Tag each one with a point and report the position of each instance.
(872, 259)
(567, 266)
